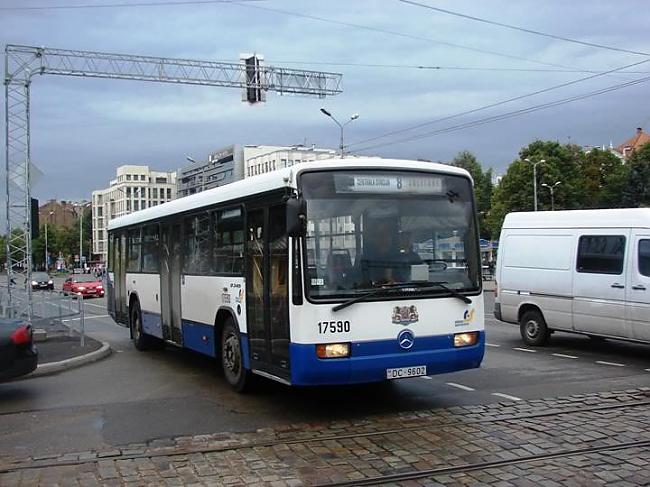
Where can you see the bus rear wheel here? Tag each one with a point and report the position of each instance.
(140, 340)
(232, 359)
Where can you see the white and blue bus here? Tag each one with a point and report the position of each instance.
(330, 272)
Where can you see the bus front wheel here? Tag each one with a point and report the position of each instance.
(232, 359)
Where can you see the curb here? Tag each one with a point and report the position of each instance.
(71, 363)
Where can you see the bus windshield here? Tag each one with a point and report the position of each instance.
(370, 228)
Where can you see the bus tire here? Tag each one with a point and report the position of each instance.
(141, 341)
(534, 331)
(232, 360)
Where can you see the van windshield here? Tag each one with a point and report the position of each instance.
(366, 229)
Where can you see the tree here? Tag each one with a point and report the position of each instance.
(482, 187)
(603, 177)
(636, 191)
(515, 192)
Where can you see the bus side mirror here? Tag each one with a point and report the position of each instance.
(296, 217)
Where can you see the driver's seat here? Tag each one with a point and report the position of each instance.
(339, 266)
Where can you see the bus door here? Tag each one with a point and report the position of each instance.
(170, 283)
(267, 290)
(119, 284)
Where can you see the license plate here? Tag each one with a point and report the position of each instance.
(402, 372)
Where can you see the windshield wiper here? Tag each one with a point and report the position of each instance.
(453, 292)
(420, 285)
(374, 292)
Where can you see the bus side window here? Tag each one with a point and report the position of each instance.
(229, 241)
(197, 245)
(134, 250)
(150, 249)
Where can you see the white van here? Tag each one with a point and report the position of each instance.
(582, 271)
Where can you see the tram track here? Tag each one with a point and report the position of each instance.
(171, 452)
(427, 473)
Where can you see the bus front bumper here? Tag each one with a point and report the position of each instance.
(369, 361)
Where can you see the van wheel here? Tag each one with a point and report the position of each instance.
(232, 359)
(533, 328)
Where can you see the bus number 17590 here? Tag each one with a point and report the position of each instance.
(333, 327)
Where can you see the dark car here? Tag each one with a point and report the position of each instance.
(83, 285)
(42, 280)
(18, 355)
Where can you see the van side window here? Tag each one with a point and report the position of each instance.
(644, 257)
(601, 254)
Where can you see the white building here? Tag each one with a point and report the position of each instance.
(135, 188)
(281, 157)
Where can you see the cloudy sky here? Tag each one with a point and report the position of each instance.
(82, 129)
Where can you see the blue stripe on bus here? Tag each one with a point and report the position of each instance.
(151, 324)
(198, 337)
(369, 360)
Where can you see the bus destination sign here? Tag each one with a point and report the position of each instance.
(388, 183)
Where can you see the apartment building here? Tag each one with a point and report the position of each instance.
(279, 158)
(134, 188)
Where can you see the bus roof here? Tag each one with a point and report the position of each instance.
(263, 183)
(608, 218)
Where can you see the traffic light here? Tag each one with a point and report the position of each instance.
(253, 93)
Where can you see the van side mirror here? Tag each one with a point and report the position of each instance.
(296, 217)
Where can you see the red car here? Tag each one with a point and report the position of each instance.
(83, 285)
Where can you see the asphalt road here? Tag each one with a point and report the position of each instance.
(136, 397)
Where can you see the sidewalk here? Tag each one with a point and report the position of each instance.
(58, 350)
(588, 439)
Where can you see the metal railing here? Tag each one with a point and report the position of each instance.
(52, 311)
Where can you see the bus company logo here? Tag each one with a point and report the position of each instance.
(468, 317)
(405, 339)
(405, 315)
(240, 296)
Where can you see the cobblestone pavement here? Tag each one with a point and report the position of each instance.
(590, 439)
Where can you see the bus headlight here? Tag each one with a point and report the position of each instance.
(333, 350)
(465, 339)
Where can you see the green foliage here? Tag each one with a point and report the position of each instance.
(636, 191)
(482, 187)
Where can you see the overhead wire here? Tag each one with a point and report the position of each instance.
(398, 34)
(511, 114)
(160, 3)
(498, 103)
(449, 68)
(523, 29)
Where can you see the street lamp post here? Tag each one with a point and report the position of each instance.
(46, 252)
(81, 229)
(352, 118)
(551, 189)
(535, 180)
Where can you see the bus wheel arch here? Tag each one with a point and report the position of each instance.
(532, 325)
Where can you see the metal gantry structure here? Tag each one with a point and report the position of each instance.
(22, 63)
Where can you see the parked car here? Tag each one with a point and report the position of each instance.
(83, 285)
(42, 280)
(581, 271)
(18, 355)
